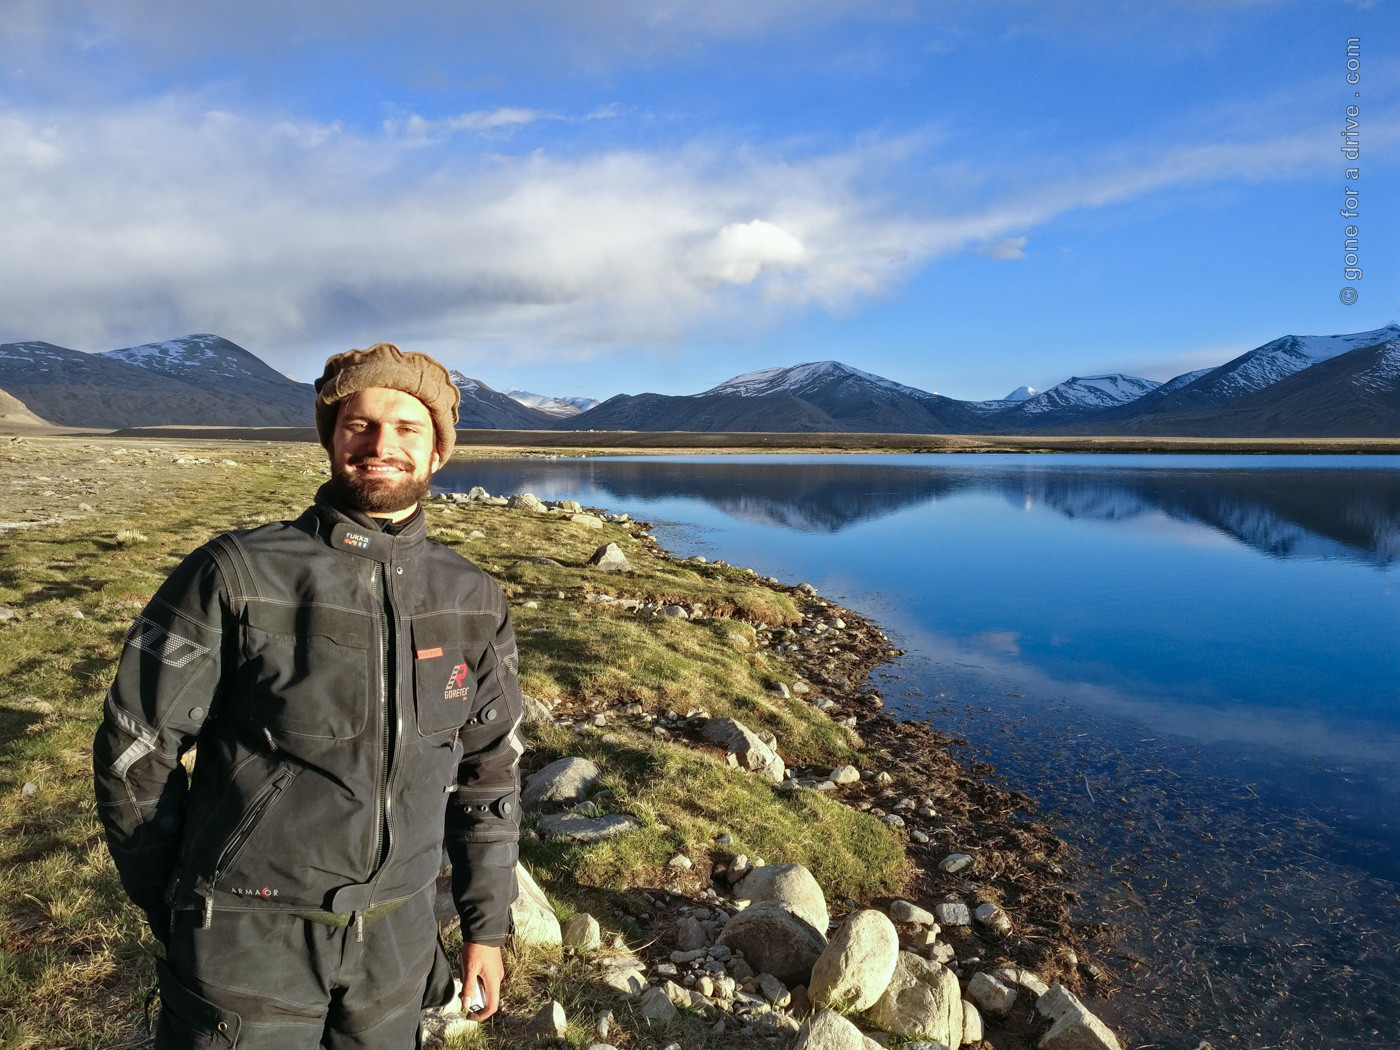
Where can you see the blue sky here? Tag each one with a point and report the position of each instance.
(598, 198)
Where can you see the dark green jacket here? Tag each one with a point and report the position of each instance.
(352, 696)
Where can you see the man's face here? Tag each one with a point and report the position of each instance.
(383, 452)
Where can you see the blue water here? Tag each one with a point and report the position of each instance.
(1168, 653)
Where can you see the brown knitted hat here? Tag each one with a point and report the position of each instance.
(385, 365)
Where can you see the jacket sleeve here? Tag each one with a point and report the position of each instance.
(166, 683)
(482, 831)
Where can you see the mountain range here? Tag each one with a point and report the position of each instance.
(1293, 386)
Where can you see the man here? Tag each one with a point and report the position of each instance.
(351, 689)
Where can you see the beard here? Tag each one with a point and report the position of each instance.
(371, 495)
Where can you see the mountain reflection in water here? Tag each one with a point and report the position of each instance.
(1284, 511)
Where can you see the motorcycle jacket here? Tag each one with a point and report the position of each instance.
(351, 699)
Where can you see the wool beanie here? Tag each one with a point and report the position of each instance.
(385, 365)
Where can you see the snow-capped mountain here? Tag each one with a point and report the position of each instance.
(1086, 394)
(555, 406)
(818, 396)
(71, 388)
(203, 358)
(1266, 365)
(1020, 393)
(483, 408)
(800, 380)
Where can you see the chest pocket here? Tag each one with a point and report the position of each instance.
(307, 671)
(447, 650)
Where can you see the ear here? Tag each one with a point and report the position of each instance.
(435, 462)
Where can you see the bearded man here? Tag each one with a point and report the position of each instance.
(351, 689)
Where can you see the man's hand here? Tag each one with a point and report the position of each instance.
(479, 960)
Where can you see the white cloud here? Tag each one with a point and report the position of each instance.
(163, 218)
(1011, 248)
(158, 218)
(420, 129)
(741, 251)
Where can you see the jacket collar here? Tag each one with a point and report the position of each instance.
(354, 532)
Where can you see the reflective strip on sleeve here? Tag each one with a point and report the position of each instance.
(138, 750)
(170, 649)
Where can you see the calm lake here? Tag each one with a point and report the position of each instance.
(1190, 662)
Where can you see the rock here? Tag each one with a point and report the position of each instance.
(655, 1006)
(990, 995)
(600, 1046)
(609, 558)
(922, 999)
(691, 936)
(952, 914)
(604, 1024)
(527, 501)
(775, 941)
(587, 520)
(531, 913)
(974, 1031)
(536, 710)
(582, 932)
(882, 778)
(681, 862)
(1011, 975)
(563, 781)
(903, 911)
(856, 967)
(991, 916)
(675, 611)
(828, 1030)
(792, 885)
(477, 493)
(623, 974)
(29, 790)
(847, 774)
(954, 863)
(7, 614)
(738, 868)
(1075, 1028)
(780, 689)
(752, 752)
(548, 1023)
(586, 829)
(773, 989)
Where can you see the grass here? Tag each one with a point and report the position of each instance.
(92, 526)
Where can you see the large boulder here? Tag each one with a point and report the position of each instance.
(579, 828)
(531, 913)
(1075, 1028)
(752, 752)
(856, 967)
(793, 885)
(775, 941)
(527, 501)
(991, 994)
(828, 1030)
(609, 558)
(922, 999)
(563, 781)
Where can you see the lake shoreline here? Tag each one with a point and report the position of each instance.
(1021, 864)
(586, 442)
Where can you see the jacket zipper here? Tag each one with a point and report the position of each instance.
(249, 822)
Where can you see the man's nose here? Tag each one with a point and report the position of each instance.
(382, 439)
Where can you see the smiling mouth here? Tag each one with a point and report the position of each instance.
(380, 469)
